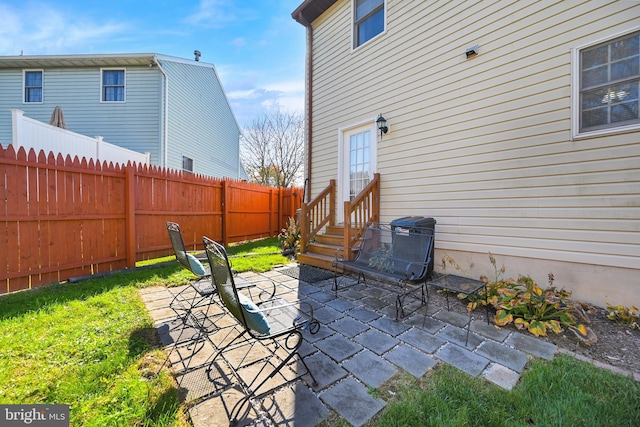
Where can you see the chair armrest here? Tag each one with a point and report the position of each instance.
(408, 271)
(341, 251)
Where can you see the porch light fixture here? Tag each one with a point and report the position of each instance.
(382, 125)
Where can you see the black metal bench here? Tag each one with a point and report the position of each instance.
(391, 254)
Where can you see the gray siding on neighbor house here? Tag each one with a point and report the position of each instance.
(132, 124)
(201, 124)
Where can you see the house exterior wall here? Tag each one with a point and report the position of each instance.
(201, 124)
(484, 144)
(132, 124)
(173, 107)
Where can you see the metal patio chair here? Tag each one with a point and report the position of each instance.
(197, 299)
(199, 295)
(275, 323)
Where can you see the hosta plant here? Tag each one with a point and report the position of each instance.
(623, 315)
(527, 306)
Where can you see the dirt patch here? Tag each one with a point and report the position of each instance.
(617, 345)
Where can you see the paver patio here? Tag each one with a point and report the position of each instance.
(360, 345)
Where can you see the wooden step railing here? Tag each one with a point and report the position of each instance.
(359, 212)
(365, 208)
(316, 214)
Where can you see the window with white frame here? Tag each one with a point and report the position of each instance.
(187, 164)
(33, 85)
(113, 85)
(368, 20)
(609, 81)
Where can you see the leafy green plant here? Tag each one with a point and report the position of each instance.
(623, 315)
(290, 236)
(527, 306)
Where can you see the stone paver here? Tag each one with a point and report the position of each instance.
(376, 341)
(462, 359)
(411, 360)
(452, 317)
(348, 326)
(492, 331)
(363, 314)
(509, 357)
(458, 336)
(374, 303)
(214, 411)
(360, 344)
(531, 345)
(370, 368)
(502, 376)
(338, 347)
(341, 304)
(327, 315)
(422, 340)
(351, 400)
(390, 326)
(296, 406)
(325, 370)
(427, 323)
(323, 296)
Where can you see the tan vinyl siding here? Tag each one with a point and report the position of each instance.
(484, 144)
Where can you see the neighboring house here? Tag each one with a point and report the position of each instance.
(514, 124)
(173, 108)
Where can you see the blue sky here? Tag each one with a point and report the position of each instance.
(257, 48)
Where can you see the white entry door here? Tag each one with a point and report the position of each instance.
(357, 162)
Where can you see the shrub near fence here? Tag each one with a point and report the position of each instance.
(63, 217)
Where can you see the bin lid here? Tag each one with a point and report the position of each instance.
(413, 221)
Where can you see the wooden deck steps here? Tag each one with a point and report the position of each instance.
(322, 251)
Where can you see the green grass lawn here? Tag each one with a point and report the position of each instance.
(561, 392)
(92, 345)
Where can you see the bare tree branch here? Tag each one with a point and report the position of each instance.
(272, 149)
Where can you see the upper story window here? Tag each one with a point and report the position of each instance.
(368, 20)
(187, 164)
(113, 84)
(33, 86)
(609, 84)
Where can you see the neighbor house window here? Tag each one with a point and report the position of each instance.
(33, 86)
(609, 84)
(113, 85)
(187, 164)
(368, 20)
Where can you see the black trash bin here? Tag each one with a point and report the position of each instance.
(416, 224)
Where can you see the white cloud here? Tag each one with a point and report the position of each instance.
(239, 42)
(249, 103)
(41, 29)
(219, 14)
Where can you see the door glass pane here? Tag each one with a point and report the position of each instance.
(359, 158)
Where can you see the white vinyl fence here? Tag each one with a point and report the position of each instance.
(30, 133)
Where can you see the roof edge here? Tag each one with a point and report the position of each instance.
(310, 10)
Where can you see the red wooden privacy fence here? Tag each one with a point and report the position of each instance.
(63, 217)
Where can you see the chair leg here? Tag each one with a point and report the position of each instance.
(252, 389)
